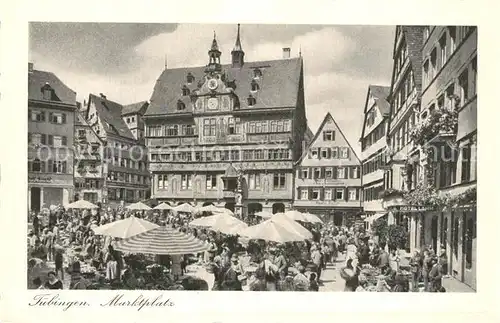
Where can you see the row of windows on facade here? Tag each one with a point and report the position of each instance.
(40, 116)
(122, 145)
(251, 100)
(404, 92)
(130, 119)
(373, 164)
(49, 166)
(328, 153)
(467, 88)
(128, 163)
(329, 194)
(401, 136)
(254, 181)
(374, 136)
(444, 48)
(372, 193)
(118, 194)
(334, 172)
(89, 184)
(128, 178)
(224, 155)
(190, 79)
(254, 87)
(211, 126)
(49, 140)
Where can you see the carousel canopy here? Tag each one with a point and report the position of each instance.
(162, 241)
(163, 206)
(125, 228)
(138, 206)
(221, 222)
(81, 204)
(271, 231)
(185, 207)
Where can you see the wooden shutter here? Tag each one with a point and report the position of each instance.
(357, 194)
(309, 193)
(322, 172)
(51, 140)
(64, 167)
(348, 153)
(346, 194)
(310, 172)
(334, 172)
(43, 139)
(50, 166)
(351, 172)
(50, 117)
(329, 153)
(64, 141)
(42, 115)
(322, 194)
(42, 167)
(64, 118)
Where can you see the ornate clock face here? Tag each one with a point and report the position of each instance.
(213, 103)
(212, 84)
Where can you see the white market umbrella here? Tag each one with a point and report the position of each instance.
(264, 214)
(271, 231)
(185, 207)
(291, 225)
(125, 228)
(81, 204)
(312, 218)
(138, 206)
(162, 241)
(221, 222)
(163, 206)
(294, 215)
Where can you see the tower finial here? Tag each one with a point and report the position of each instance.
(300, 51)
(237, 53)
(165, 61)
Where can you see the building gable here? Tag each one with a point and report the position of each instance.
(329, 147)
(376, 109)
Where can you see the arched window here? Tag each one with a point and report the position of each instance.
(185, 90)
(180, 105)
(190, 78)
(255, 86)
(251, 101)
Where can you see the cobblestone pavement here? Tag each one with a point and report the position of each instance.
(332, 282)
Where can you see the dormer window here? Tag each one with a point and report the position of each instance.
(257, 73)
(255, 86)
(47, 92)
(190, 78)
(180, 105)
(251, 100)
(185, 90)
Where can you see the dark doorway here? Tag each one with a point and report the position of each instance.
(278, 208)
(434, 232)
(230, 206)
(35, 199)
(254, 208)
(338, 219)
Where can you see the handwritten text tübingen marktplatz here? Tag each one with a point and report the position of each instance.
(118, 300)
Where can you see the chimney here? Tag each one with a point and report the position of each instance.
(102, 96)
(30, 67)
(286, 52)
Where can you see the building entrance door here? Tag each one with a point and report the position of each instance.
(35, 199)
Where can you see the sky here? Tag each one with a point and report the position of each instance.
(123, 61)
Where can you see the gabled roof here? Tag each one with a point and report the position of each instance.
(110, 114)
(328, 116)
(135, 108)
(61, 93)
(80, 120)
(380, 94)
(278, 85)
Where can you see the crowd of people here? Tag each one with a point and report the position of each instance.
(65, 240)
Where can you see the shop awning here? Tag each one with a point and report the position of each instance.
(374, 217)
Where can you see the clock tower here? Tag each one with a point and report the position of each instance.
(214, 57)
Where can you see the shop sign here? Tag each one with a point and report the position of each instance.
(39, 179)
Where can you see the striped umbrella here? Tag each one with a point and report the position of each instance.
(162, 241)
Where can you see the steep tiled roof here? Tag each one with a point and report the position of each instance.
(38, 79)
(134, 107)
(110, 114)
(414, 36)
(278, 85)
(80, 120)
(381, 94)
